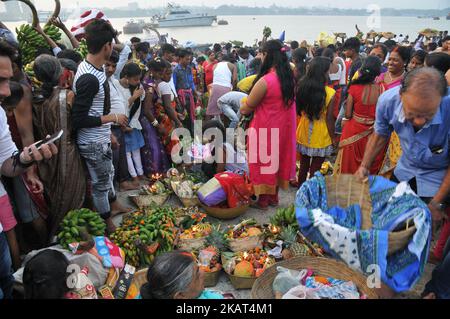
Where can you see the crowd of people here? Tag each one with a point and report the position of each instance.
(381, 108)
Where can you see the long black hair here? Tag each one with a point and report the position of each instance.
(299, 59)
(277, 58)
(368, 72)
(311, 93)
(130, 70)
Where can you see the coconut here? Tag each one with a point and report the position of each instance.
(244, 269)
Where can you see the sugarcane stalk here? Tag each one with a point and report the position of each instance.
(33, 10)
(56, 12)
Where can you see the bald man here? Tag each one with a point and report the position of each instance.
(419, 112)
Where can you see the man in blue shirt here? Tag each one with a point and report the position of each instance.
(419, 112)
(183, 81)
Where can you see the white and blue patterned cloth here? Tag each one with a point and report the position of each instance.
(338, 230)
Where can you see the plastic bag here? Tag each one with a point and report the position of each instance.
(286, 280)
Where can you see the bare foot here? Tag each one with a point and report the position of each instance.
(117, 207)
(128, 186)
(432, 259)
(110, 227)
(143, 178)
(431, 295)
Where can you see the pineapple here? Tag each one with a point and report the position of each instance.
(216, 239)
(293, 247)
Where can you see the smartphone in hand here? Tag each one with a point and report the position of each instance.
(48, 140)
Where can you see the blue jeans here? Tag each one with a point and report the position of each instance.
(440, 280)
(6, 277)
(98, 159)
(232, 114)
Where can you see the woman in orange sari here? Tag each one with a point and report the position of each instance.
(271, 140)
(363, 94)
(393, 77)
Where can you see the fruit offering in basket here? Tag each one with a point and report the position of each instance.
(247, 228)
(146, 234)
(197, 231)
(196, 217)
(249, 264)
(157, 188)
(209, 259)
(183, 213)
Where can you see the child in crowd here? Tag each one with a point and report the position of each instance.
(133, 92)
(315, 131)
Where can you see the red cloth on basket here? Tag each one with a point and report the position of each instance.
(237, 187)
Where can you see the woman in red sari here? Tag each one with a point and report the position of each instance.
(363, 94)
(271, 139)
(208, 67)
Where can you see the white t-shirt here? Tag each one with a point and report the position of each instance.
(164, 88)
(118, 103)
(7, 147)
(236, 162)
(134, 122)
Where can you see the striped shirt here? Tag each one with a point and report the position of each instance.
(92, 101)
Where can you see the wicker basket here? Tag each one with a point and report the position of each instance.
(241, 282)
(326, 267)
(245, 244)
(190, 202)
(143, 201)
(212, 278)
(191, 244)
(346, 190)
(225, 213)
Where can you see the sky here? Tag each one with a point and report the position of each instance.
(399, 4)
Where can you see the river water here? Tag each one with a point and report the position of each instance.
(249, 28)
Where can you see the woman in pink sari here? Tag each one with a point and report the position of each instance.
(271, 139)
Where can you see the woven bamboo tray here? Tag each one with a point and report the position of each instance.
(212, 278)
(346, 190)
(326, 267)
(191, 244)
(143, 201)
(225, 213)
(245, 244)
(241, 282)
(190, 202)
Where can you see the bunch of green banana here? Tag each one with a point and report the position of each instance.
(29, 42)
(80, 225)
(53, 32)
(285, 217)
(143, 235)
(82, 49)
(29, 70)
